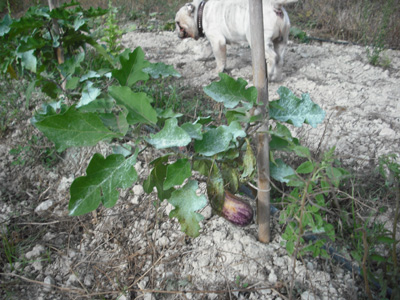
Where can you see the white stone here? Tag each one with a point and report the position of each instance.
(49, 281)
(207, 212)
(138, 190)
(272, 278)
(88, 280)
(37, 265)
(163, 241)
(387, 132)
(71, 280)
(35, 252)
(309, 296)
(44, 206)
(219, 236)
(64, 184)
(279, 261)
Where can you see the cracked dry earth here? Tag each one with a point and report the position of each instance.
(133, 249)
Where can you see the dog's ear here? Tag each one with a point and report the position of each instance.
(190, 8)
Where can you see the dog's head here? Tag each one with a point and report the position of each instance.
(185, 22)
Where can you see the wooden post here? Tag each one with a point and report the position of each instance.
(260, 80)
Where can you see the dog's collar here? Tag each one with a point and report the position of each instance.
(200, 18)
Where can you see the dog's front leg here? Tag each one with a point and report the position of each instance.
(218, 44)
(271, 58)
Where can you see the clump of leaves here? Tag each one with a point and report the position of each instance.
(112, 32)
(375, 50)
(307, 203)
(104, 104)
(299, 34)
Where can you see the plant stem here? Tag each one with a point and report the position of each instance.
(395, 221)
(364, 264)
(296, 251)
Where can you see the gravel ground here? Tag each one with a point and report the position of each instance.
(133, 249)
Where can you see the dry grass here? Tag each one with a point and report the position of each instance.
(361, 21)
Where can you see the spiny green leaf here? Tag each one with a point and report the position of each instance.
(89, 94)
(99, 48)
(132, 68)
(170, 136)
(281, 138)
(30, 43)
(72, 83)
(216, 188)
(160, 69)
(156, 179)
(103, 177)
(186, 203)
(279, 170)
(115, 123)
(138, 104)
(194, 130)
(28, 60)
(74, 129)
(5, 25)
(78, 23)
(249, 162)
(177, 173)
(231, 177)
(169, 113)
(203, 120)
(214, 141)
(70, 65)
(231, 91)
(100, 105)
(89, 75)
(203, 166)
(218, 140)
(236, 129)
(295, 110)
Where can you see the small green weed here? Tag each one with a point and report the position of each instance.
(378, 45)
(112, 31)
(299, 34)
(307, 205)
(9, 250)
(10, 103)
(240, 284)
(34, 151)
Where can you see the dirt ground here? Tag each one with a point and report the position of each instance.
(133, 251)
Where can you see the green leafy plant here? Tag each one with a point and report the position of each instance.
(112, 31)
(9, 250)
(216, 149)
(299, 34)
(28, 43)
(104, 104)
(375, 50)
(305, 212)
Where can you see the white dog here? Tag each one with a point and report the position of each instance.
(226, 21)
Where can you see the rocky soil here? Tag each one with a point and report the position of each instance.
(134, 251)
